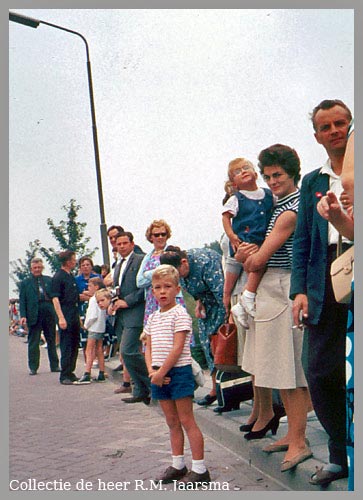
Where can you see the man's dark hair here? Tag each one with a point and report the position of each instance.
(328, 104)
(120, 229)
(283, 156)
(66, 256)
(173, 256)
(126, 233)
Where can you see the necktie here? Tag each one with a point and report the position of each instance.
(42, 294)
(116, 275)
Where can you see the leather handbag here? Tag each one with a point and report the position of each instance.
(225, 348)
(341, 272)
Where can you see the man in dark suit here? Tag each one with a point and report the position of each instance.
(314, 249)
(130, 307)
(37, 311)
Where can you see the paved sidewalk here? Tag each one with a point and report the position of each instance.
(224, 428)
(87, 437)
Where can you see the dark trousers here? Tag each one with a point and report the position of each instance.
(46, 323)
(69, 343)
(326, 372)
(133, 358)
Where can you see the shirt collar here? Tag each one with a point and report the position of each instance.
(326, 169)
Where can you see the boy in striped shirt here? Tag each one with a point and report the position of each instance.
(168, 359)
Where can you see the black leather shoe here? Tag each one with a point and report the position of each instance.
(32, 372)
(246, 427)
(223, 409)
(55, 369)
(146, 400)
(207, 400)
(272, 425)
(193, 478)
(171, 474)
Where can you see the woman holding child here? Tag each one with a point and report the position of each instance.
(273, 348)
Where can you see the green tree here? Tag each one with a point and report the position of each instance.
(214, 245)
(21, 267)
(69, 234)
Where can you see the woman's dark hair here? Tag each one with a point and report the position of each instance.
(85, 258)
(283, 156)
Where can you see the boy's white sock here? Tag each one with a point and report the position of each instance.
(247, 301)
(178, 461)
(249, 295)
(198, 466)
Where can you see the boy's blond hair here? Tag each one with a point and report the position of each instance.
(166, 271)
(103, 292)
(234, 164)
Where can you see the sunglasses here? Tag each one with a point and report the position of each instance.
(157, 235)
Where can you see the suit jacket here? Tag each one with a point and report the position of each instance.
(310, 247)
(29, 300)
(133, 316)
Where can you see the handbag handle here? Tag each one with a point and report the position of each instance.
(340, 245)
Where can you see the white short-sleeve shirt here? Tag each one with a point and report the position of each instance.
(162, 326)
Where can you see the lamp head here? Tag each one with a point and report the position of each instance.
(19, 18)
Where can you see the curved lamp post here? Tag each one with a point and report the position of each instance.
(34, 23)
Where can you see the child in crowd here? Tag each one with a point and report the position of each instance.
(95, 323)
(245, 216)
(168, 359)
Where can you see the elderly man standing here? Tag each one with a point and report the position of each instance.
(314, 249)
(37, 312)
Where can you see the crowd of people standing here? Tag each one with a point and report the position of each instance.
(282, 239)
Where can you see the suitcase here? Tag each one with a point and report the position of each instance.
(232, 389)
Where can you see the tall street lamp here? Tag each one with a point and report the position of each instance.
(34, 23)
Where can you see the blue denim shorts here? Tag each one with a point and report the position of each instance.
(95, 335)
(181, 384)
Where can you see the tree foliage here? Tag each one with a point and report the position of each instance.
(214, 245)
(21, 267)
(69, 235)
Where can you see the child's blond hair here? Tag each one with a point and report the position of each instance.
(233, 164)
(166, 271)
(103, 292)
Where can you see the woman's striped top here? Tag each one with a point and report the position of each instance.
(283, 257)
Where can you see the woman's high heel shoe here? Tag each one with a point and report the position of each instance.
(272, 425)
(247, 427)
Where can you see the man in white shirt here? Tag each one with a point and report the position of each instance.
(314, 249)
(130, 308)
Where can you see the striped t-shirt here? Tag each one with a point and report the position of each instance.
(283, 257)
(162, 326)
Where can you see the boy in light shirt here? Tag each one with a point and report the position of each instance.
(168, 361)
(95, 323)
